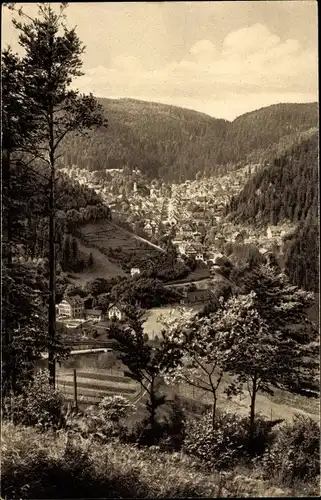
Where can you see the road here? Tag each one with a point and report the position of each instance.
(44, 355)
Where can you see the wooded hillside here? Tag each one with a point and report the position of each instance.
(173, 143)
(286, 189)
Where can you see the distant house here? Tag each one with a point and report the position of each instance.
(134, 270)
(190, 251)
(115, 312)
(72, 307)
(269, 233)
(200, 256)
(198, 296)
(238, 237)
(148, 228)
(181, 246)
(95, 314)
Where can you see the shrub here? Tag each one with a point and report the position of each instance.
(228, 443)
(38, 404)
(295, 454)
(102, 422)
(47, 466)
(174, 427)
(144, 434)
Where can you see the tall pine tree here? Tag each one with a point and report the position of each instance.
(51, 62)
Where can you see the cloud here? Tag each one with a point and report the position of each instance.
(249, 40)
(251, 62)
(204, 50)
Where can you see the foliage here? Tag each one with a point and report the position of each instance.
(286, 189)
(37, 405)
(32, 462)
(100, 286)
(263, 346)
(103, 422)
(199, 353)
(24, 294)
(157, 139)
(145, 363)
(145, 292)
(227, 443)
(115, 408)
(301, 254)
(295, 453)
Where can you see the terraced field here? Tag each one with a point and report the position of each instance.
(94, 385)
(106, 235)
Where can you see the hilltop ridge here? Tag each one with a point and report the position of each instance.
(174, 144)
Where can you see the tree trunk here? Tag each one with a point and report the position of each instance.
(252, 406)
(52, 279)
(214, 410)
(9, 220)
(7, 332)
(152, 406)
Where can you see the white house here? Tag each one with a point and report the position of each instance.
(114, 312)
(148, 228)
(72, 307)
(134, 270)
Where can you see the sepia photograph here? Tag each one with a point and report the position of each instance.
(160, 250)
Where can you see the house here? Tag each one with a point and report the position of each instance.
(153, 226)
(200, 256)
(148, 228)
(115, 312)
(134, 271)
(181, 246)
(94, 314)
(190, 251)
(269, 233)
(72, 307)
(198, 296)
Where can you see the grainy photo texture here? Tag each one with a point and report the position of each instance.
(160, 250)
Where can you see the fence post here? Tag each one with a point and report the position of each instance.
(75, 389)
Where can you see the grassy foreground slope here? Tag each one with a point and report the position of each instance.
(47, 465)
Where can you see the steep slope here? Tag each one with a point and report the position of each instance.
(301, 255)
(251, 134)
(286, 189)
(162, 141)
(173, 143)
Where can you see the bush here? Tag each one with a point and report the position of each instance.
(174, 428)
(228, 443)
(39, 404)
(51, 465)
(103, 422)
(295, 454)
(47, 466)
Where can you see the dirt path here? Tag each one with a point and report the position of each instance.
(281, 405)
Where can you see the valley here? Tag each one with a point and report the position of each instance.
(160, 265)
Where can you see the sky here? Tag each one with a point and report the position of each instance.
(221, 58)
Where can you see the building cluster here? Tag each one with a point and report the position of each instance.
(190, 212)
(74, 308)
